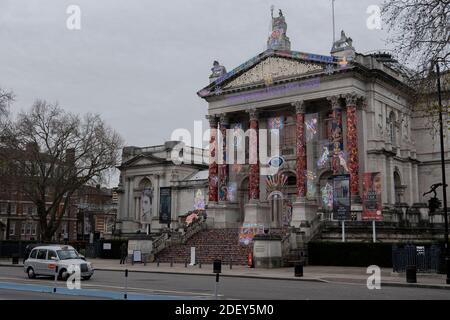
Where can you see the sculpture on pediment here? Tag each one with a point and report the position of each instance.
(278, 39)
(343, 47)
(218, 70)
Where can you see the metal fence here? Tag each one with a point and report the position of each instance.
(427, 259)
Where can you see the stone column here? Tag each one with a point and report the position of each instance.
(352, 144)
(213, 168)
(223, 166)
(337, 138)
(253, 157)
(300, 148)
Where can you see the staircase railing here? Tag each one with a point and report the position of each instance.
(195, 227)
(160, 243)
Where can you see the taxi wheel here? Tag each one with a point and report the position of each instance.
(30, 273)
(63, 275)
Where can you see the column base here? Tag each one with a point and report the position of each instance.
(223, 215)
(303, 211)
(257, 213)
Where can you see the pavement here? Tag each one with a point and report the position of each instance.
(324, 274)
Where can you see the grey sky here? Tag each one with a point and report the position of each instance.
(140, 63)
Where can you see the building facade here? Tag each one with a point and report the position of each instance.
(340, 115)
(154, 190)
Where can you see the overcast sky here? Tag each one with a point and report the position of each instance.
(140, 63)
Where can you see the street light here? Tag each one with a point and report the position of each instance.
(444, 186)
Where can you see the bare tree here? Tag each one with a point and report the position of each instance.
(419, 29)
(420, 32)
(53, 153)
(5, 98)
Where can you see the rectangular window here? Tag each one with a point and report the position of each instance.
(3, 207)
(22, 229)
(13, 208)
(30, 209)
(28, 231)
(12, 228)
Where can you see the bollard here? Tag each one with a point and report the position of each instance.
(157, 262)
(185, 263)
(231, 264)
(411, 274)
(298, 269)
(125, 295)
(171, 263)
(56, 279)
(199, 265)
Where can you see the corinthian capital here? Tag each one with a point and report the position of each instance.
(253, 114)
(351, 99)
(334, 101)
(224, 119)
(299, 106)
(213, 120)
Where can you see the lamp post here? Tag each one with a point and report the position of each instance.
(444, 186)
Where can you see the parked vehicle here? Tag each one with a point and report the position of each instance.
(43, 260)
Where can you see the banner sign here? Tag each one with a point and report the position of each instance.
(165, 213)
(146, 205)
(248, 231)
(372, 206)
(341, 197)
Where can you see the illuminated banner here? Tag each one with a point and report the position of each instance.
(165, 200)
(372, 207)
(341, 197)
(248, 231)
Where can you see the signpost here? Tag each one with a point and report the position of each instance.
(192, 256)
(341, 200)
(372, 206)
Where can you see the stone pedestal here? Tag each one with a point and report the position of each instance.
(129, 226)
(303, 211)
(267, 251)
(257, 213)
(223, 215)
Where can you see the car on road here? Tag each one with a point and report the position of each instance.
(43, 261)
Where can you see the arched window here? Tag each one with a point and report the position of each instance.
(392, 128)
(398, 187)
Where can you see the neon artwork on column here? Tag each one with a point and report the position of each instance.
(232, 191)
(311, 128)
(199, 200)
(324, 157)
(327, 196)
(311, 188)
(237, 142)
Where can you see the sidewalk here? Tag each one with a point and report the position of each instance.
(325, 274)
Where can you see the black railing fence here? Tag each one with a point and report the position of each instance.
(426, 258)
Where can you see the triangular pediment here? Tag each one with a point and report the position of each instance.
(143, 160)
(273, 69)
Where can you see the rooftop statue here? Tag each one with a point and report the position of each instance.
(343, 43)
(217, 69)
(278, 39)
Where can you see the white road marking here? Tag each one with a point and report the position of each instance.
(44, 281)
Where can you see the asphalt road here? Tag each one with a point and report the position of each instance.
(170, 286)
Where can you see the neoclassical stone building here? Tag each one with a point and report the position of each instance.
(154, 190)
(346, 113)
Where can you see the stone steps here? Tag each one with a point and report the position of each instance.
(209, 245)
